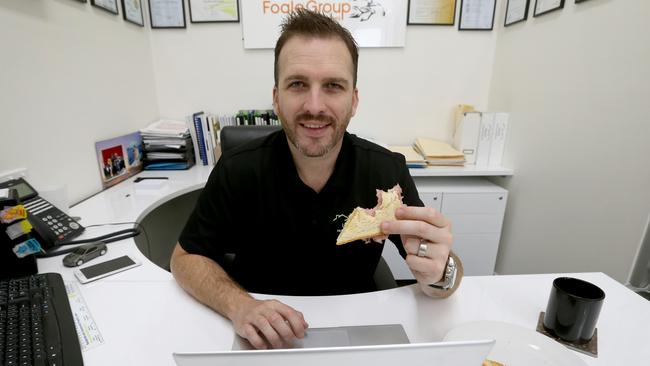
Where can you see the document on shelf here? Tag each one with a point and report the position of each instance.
(434, 148)
(438, 153)
(413, 158)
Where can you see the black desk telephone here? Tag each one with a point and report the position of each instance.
(51, 225)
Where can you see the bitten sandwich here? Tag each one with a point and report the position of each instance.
(364, 223)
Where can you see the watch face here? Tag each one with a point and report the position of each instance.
(449, 279)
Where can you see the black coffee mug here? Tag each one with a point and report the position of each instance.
(573, 309)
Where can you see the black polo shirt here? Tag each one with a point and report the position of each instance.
(283, 232)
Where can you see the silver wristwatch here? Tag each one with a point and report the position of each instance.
(449, 278)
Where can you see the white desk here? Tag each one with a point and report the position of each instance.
(144, 316)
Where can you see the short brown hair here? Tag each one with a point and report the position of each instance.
(307, 23)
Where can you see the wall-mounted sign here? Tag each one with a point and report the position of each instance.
(373, 23)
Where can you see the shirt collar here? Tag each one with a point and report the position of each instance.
(342, 168)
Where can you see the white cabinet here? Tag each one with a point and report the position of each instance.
(475, 207)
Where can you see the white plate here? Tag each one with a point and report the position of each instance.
(516, 345)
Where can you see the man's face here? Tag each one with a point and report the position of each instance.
(315, 97)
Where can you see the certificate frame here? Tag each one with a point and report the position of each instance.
(199, 16)
(139, 18)
(537, 12)
(465, 27)
(411, 19)
(159, 23)
(104, 7)
(517, 20)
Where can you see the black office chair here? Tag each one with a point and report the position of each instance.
(232, 136)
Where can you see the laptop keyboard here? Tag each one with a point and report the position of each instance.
(36, 324)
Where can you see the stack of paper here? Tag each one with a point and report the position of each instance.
(167, 145)
(166, 128)
(413, 158)
(438, 153)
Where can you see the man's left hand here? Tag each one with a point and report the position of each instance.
(423, 225)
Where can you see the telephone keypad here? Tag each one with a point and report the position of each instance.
(61, 225)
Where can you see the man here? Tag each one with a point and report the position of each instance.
(274, 200)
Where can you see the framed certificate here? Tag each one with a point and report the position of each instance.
(431, 12)
(108, 5)
(477, 14)
(167, 13)
(516, 11)
(132, 11)
(213, 11)
(546, 6)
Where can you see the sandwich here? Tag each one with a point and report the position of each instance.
(492, 363)
(364, 223)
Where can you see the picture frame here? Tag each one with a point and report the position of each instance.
(431, 12)
(214, 11)
(132, 12)
(516, 11)
(546, 6)
(477, 15)
(167, 14)
(119, 158)
(107, 5)
(580, 1)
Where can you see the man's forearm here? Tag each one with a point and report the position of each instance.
(206, 281)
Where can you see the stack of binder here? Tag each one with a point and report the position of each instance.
(167, 146)
(481, 136)
(438, 153)
(204, 129)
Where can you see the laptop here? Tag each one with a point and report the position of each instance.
(379, 345)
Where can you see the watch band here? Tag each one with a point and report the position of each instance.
(449, 278)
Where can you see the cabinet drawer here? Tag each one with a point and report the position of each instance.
(475, 223)
(477, 252)
(473, 203)
(432, 199)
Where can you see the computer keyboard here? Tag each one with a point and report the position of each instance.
(36, 324)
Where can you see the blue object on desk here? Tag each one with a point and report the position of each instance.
(168, 166)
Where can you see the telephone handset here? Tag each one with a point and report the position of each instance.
(52, 226)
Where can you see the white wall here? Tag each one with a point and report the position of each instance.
(70, 74)
(404, 92)
(577, 84)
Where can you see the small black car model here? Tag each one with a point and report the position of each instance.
(84, 253)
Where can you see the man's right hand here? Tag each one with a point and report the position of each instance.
(268, 323)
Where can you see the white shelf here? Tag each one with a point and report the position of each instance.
(460, 171)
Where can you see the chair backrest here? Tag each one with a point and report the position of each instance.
(233, 136)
